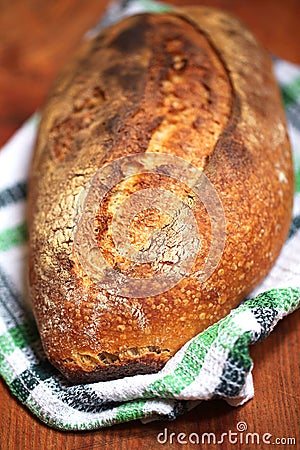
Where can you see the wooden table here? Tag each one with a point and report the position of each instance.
(36, 38)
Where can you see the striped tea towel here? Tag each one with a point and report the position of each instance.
(214, 364)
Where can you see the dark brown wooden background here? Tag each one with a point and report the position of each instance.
(36, 37)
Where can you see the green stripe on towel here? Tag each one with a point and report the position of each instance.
(10, 237)
(291, 91)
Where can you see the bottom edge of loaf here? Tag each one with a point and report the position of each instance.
(140, 365)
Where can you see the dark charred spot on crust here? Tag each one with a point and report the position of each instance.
(237, 156)
(231, 32)
(128, 78)
(133, 38)
(143, 134)
(65, 262)
(109, 125)
(154, 124)
(98, 42)
(89, 102)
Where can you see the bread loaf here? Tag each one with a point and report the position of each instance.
(179, 108)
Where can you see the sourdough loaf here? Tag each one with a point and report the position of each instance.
(191, 84)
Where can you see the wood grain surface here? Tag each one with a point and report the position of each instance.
(36, 37)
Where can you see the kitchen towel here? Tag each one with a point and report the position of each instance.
(214, 364)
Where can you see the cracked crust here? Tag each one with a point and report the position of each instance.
(195, 84)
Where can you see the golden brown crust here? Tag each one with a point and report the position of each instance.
(163, 84)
